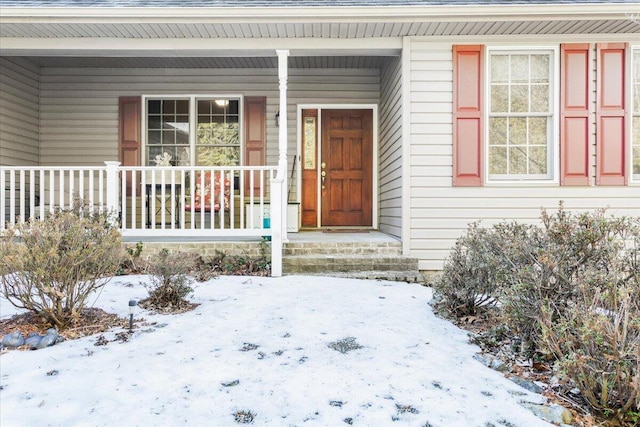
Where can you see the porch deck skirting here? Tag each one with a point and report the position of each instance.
(212, 202)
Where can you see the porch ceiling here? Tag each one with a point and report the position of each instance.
(207, 62)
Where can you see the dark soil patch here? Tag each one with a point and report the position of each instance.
(91, 321)
(182, 307)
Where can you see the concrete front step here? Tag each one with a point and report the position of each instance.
(391, 248)
(342, 263)
(394, 276)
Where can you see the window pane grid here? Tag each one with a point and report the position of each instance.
(168, 131)
(216, 141)
(218, 132)
(520, 115)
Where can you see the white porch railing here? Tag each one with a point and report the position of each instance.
(153, 201)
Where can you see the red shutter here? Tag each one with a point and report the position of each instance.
(129, 133)
(611, 115)
(255, 135)
(468, 133)
(576, 140)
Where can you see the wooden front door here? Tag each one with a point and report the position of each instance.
(346, 168)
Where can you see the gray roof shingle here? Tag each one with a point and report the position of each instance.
(287, 3)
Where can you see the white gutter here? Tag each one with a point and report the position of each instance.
(475, 13)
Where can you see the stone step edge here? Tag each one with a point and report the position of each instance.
(354, 256)
(392, 276)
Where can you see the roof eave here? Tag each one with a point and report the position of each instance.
(576, 11)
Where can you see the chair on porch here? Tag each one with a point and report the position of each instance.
(202, 200)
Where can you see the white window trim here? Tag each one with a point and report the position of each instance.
(554, 178)
(192, 98)
(634, 179)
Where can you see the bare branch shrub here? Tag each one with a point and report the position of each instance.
(597, 345)
(170, 280)
(51, 267)
(475, 269)
(547, 269)
(570, 288)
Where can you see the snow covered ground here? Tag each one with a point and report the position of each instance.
(264, 347)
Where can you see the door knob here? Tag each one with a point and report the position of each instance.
(323, 165)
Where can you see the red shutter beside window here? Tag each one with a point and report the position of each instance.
(468, 133)
(576, 139)
(611, 115)
(255, 136)
(129, 136)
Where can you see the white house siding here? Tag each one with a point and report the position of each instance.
(19, 98)
(79, 106)
(390, 148)
(439, 212)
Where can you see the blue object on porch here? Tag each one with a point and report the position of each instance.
(266, 223)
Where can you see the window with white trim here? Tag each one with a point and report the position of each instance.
(520, 143)
(635, 132)
(193, 131)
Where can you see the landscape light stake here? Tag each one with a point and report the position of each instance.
(132, 304)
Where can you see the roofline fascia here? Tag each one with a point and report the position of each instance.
(577, 11)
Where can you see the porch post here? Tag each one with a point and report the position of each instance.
(283, 75)
(279, 184)
(112, 190)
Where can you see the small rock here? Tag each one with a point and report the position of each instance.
(491, 362)
(47, 341)
(231, 383)
(12, 340)
(552, 413)
(528, 385)
(32, 340)
(483, 358)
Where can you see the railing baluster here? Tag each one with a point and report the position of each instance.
(81, 184)
(202, 198)
(61, 189)
(123, 199)
(90, 178)
(32, 195)
(21, 202)
(182, 201)
(261, 195)
(134, 201)
(241, 200)
(3, 196)
(12, 198)
(41, 188)
(144, 197)
(172, 202)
